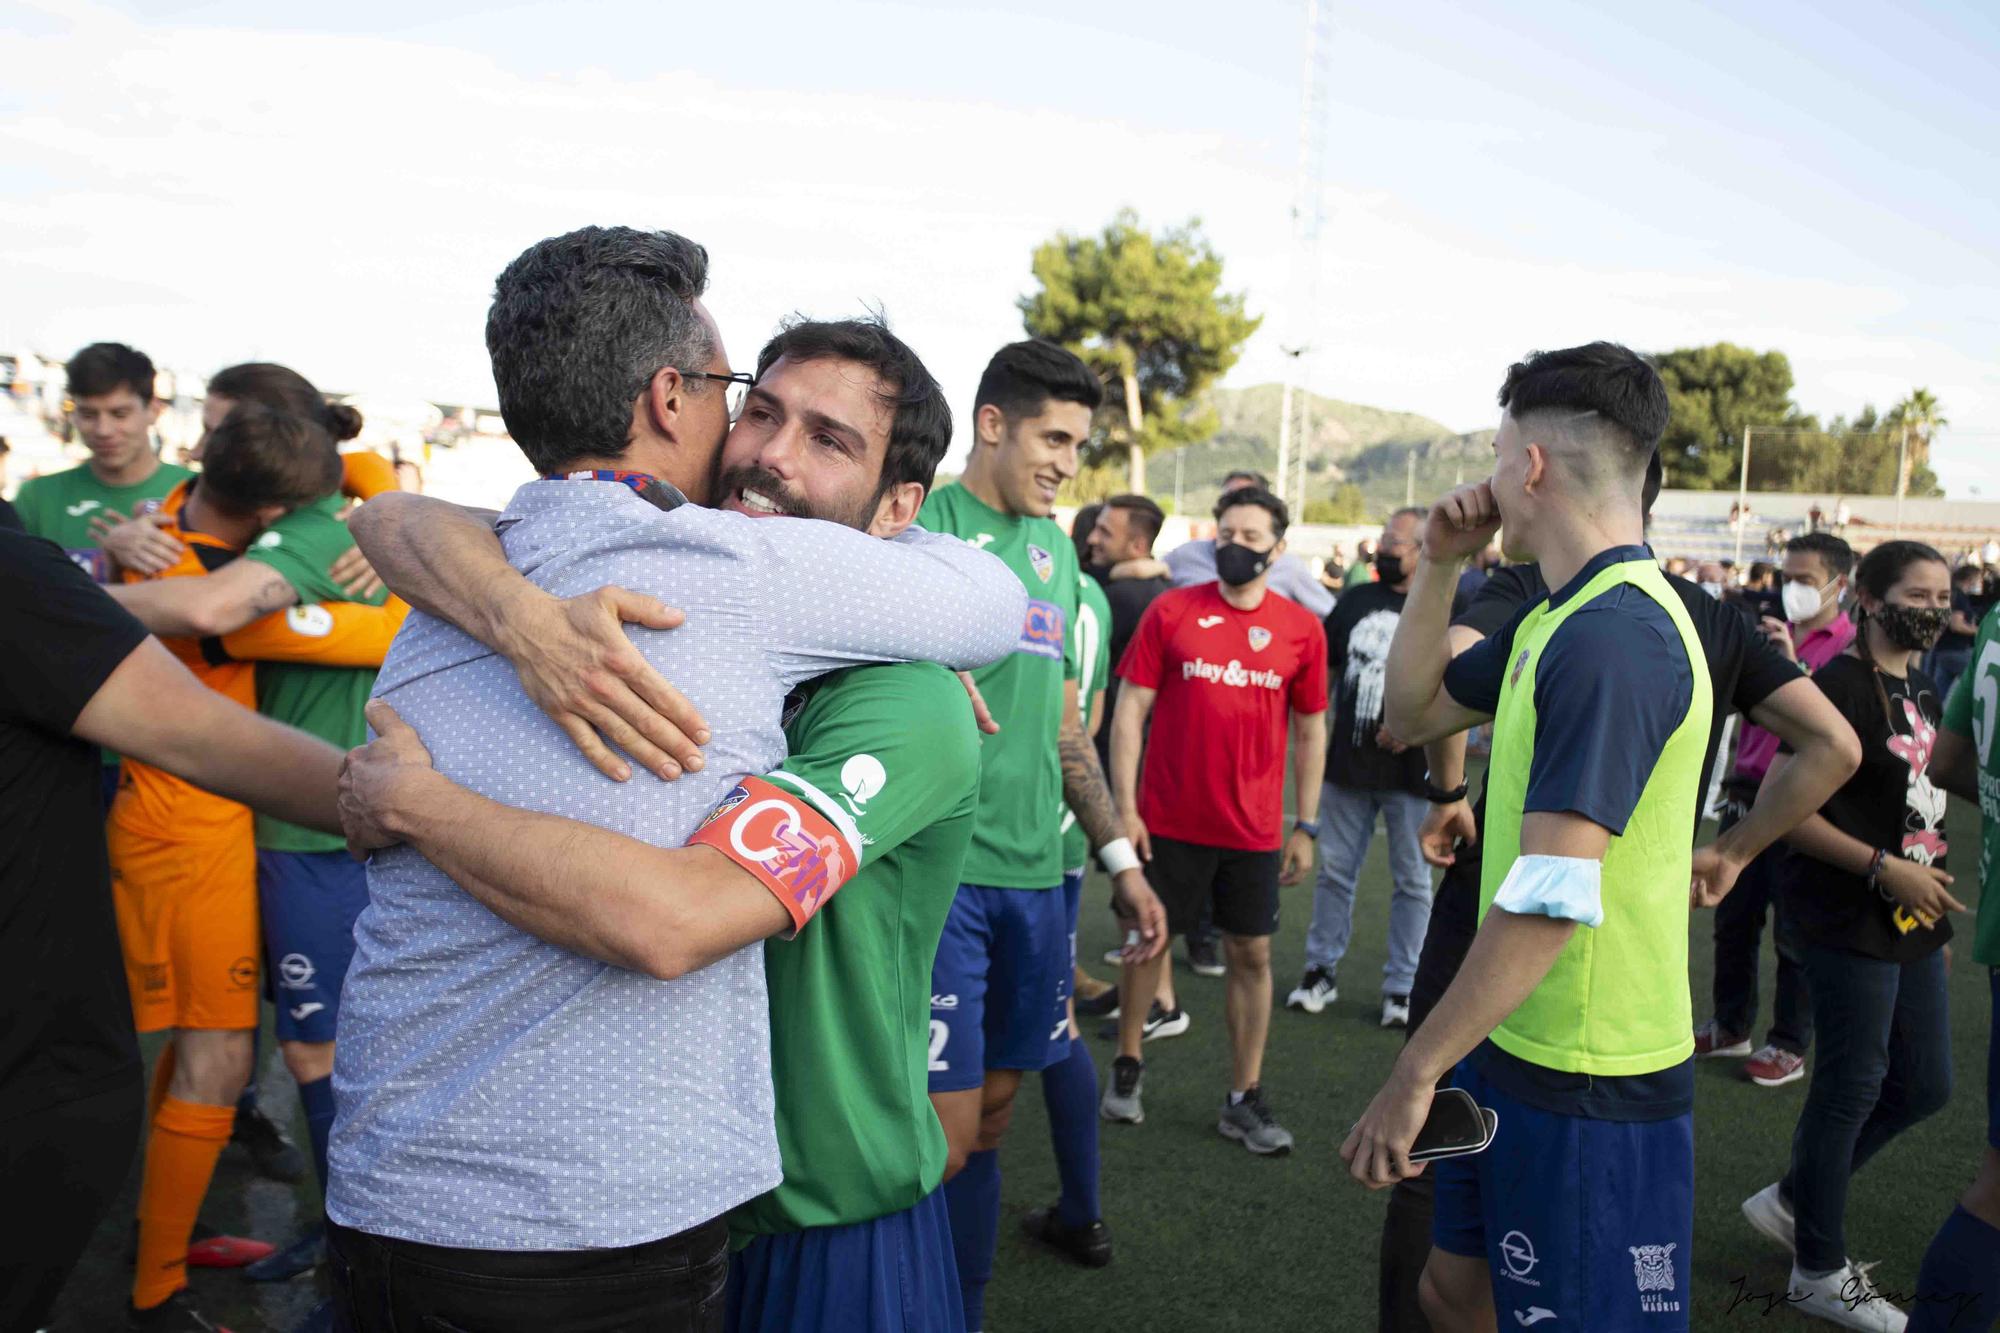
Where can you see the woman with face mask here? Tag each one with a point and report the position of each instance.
(1869, 898)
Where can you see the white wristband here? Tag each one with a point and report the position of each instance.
(1118, 856)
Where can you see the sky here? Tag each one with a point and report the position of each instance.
(335, 187)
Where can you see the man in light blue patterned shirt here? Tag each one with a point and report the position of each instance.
(498, 1093)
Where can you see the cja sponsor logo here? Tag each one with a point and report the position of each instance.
(1232, 675)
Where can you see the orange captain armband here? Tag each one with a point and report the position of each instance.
(793, 848)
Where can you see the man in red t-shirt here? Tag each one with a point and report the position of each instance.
(1227, 670)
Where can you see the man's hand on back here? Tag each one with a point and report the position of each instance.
(356, 577)
(580, 667)
(375, 780)
(137, 544)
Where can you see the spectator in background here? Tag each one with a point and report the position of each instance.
(1815, 631)
(1122, 538)
(1762, 572)
(1713, 576)
(1677, 566)
(1473, 579)
(1815, 518)
(9, 517)
(1368, 773)
(1841, 516)
(1363, 568)
(1869, 893)
(1334, 572)
(1193, 562)
(1953, 653)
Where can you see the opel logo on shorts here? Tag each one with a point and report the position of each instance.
(243, 973)
(1518, 1253)
(296, 971)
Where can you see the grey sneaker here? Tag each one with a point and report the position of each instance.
(1251, 1124)
(1121, 1099)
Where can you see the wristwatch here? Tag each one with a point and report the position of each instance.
(1437, 795)
(1308, 827)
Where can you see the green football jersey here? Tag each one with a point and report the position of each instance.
(1974, 710)
(324, 701)
(61, 505)
(1017, 842)
(1090, 647)
(894, 750)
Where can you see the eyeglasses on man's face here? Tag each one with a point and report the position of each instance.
(738, 387)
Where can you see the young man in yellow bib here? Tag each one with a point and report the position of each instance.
(1570, 1015)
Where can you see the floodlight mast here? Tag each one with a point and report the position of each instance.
(1308, 189)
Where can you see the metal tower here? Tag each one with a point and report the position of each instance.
(1308, 207)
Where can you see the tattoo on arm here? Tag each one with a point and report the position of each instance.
(273, 593)
(1084, 788)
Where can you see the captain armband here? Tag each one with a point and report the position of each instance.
(793, 848)
(1567, 887)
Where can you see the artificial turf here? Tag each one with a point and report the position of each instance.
(1210, 1238)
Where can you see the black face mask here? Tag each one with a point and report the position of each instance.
(1389, 567)
(1915, 628)
(1238, 565)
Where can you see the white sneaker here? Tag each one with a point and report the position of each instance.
(1314, 992)
(1770, 1214)
(1846, 1297)
(1395, 1011)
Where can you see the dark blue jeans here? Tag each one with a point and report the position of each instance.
(1884, 1064)
(1739, 937)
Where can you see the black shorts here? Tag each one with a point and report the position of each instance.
(1241, 886)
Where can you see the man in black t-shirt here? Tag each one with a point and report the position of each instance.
(1126, 527)
(1368, 772)
(1746, 674)
(80, 672)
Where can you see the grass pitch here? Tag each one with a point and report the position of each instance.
(1209, 1237)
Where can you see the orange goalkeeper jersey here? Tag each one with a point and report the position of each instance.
(155, 803)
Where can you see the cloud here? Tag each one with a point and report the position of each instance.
(343, 202)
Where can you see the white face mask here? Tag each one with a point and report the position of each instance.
(1713, 590)
(1803, 601)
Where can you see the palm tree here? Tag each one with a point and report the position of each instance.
(1920, 413)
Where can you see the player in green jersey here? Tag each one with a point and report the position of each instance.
(113, 409)
(1959, 1284)
(1002, 978)
(885, 759)
(1069, 1087)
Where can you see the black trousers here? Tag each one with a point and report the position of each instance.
(60, 1169)
(1739, 936)
(674, 1285)
(1406, 1227)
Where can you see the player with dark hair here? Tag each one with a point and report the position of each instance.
(113, 409)
(1602, 701)
(1000, 986)
(679, 1051)
(1746, 674)
(183, 861)
(843, 423)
